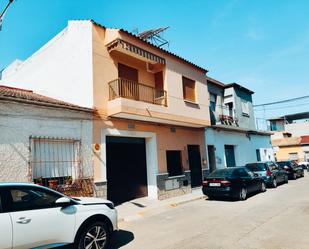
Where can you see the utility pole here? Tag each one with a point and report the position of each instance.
(4, 11)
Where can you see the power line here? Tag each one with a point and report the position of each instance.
(4, 11)
(282, 101)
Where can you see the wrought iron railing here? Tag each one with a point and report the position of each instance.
(123, 88)
(224, 115)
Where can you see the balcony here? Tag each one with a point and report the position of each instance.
(135, 51)
(224, 116)
(123, 88)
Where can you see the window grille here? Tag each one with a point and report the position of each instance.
(54, 160)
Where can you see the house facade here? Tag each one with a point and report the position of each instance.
(232, 139)
(46, 141)
(151, 107)
(292, 148)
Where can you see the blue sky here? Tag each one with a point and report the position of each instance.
(261, 44)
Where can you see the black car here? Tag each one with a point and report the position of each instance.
(236, 182)
(293, 169)
(271, 173)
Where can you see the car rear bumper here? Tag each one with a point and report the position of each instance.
(218, 192)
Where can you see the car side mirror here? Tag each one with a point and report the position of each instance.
(63, 201)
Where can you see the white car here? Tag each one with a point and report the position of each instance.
(33, 216)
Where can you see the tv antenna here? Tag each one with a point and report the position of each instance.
(3, 12)
(154, 36)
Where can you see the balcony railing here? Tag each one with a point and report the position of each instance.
(126, 46)
(123, 88)
(224, 115)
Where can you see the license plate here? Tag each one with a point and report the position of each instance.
(214, 184)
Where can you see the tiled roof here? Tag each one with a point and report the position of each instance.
(28, 96)
(156, 47)
(304, 140)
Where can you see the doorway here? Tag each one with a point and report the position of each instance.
(126, 168)
(230, 155)
(195, 165)
(211, 157)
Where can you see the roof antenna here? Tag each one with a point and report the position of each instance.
(154, 36)
(3, 12)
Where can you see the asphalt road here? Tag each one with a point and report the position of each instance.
(278, 218)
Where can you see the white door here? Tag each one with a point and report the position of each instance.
(36, 219)
(5, 231)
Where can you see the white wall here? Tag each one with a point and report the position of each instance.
(61, 69)
(18, 122)
(298, 129)
(245, 148)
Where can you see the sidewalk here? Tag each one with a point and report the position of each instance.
(143, 207)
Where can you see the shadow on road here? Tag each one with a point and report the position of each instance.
(119, 239)
(228, 199)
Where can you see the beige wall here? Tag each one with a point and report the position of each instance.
(105, 70)
(283, 153)
(166, 140)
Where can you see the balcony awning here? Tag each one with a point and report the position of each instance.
(119, 44)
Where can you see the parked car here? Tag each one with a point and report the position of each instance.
(271, 173)
(236, 182)
(305, 165)
(293, 169)
(33, 216)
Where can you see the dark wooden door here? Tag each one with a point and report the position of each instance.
(211, 158)
(126, 168)
(230, 155)
(195, 165)
(128, 87)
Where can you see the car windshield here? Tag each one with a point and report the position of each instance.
(219, 173)
(284, 163)
(256, 166)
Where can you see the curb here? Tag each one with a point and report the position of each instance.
(171, 205)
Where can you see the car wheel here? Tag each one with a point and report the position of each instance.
(263, 187)
(243, 194)
(286, 179)
(274, 183)
(95, 235)
(294, 176)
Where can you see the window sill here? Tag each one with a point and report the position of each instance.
(191, 103)
(175, 177)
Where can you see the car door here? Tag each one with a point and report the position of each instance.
(6, 233)
(37, 220)
(254, 181)
(246, 179)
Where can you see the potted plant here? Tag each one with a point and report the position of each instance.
(68, 180)
(39, 181)
(52, 183)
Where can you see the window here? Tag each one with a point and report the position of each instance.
(32, 198)
(213, 101)
(54, 159)
(243, 172)
(245, 108)
(258, 155)
(188, 89)
(174, 163)
(293, 156)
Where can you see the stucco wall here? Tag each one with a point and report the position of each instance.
(298, 129)
(283, 152)
(165, 139)
(62, 68)
(18, 122)
(245, 147)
